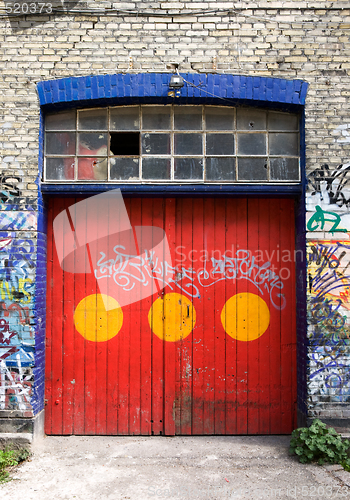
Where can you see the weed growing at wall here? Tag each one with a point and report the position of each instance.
(10, 458)
(321, 444)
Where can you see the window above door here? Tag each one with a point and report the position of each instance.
(172, 144)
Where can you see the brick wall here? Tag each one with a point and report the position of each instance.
(291, 40)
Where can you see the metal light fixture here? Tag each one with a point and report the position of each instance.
(176, 81)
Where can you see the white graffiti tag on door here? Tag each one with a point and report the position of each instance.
(127, 270)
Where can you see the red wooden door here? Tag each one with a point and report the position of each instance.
(211, 349)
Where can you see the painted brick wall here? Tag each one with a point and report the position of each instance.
(291, 40)
(18, 245)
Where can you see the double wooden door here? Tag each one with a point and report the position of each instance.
(183, 325)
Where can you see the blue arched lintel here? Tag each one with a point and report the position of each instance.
(143, 88)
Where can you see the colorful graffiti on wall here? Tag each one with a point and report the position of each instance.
(17, 275)
(328, 226)
(16, 386)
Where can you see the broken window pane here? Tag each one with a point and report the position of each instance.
(251, 144)
(220, 144)
(252, 169)
(284, 144)
(284, 169)
(60, 169)
(251, 119)
(61, 121)
(188, 118)
(124, 118)
(282, 121)
(156, 118)
(219, 118)
(60, 143)
(125, 143)
(124, 169)
(92, 144)
(156, 144)
(220, 169)
(188, 144)
(188, 168)
(156, 168)
(92, 169)
(92, 119)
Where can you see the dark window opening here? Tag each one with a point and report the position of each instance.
(125, 143)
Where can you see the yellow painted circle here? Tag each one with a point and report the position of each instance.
(98, 317)
(245, 316)
(172, 317)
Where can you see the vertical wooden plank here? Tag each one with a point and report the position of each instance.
(253, 346)
(80, 292)
(118, 356)
(103, 218)
(186, 344)
(208, 324)
(124, 350)
(197, 335)
(146, 338)
(68, 348)
(230, 343)
(219, 302)
(180, 264)
(265, 342)
(275, 326)
(242, 347)
(135, 322)
(57, 332)
(157, 345)
(293, 339)
(113, 410)
(294, 319)
(169, 347)
(90, 368)
(49, 316)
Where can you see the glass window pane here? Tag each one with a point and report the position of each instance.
(156, 168)
(92, 144)
(188, 168)
(60, 121)
(124, 169)
(92, 169)
(282, 121)
(251, 119)
(220, 144)
(220, 169)
(156, 144)
(284, 169)
(124, 118)
(156, 118)
(188, 144)
(251, 144)
(60, 143)
(284, 144)
(252, 169)
(188, 118)
(219, 118)
(92, 119)
(60, 169)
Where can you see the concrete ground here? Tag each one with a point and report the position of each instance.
(142, 468)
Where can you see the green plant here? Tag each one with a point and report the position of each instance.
(321, 444)
(346, 465)
(10, 458)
